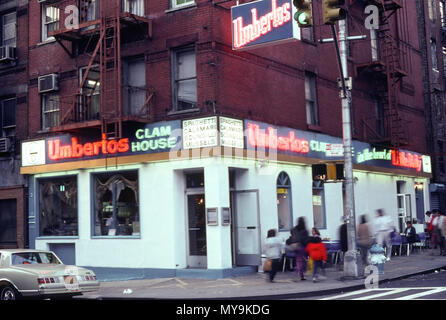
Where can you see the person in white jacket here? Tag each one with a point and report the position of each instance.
(273, 247)
(383, 229)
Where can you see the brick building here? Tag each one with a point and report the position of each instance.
(135, 114)
(13, 106)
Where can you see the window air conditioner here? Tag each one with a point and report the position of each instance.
(7, 53)
(5, 144)
(48, 83)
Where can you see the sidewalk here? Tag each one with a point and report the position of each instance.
(255, 286)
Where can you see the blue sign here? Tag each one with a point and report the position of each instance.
(263, 22)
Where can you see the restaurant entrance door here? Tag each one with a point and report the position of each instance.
(196, 230)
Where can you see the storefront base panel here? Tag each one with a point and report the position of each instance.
(122, 274)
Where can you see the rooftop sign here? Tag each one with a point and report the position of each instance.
(263, 22)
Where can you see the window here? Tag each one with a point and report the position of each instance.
(50, 20)
(134, 7)
(311, 99)
(432, 10)
(319, 205)
(180, 3)
(437, 105)
(58, 214)
(134, 84)
(442, 14)
(7, 117)
(185, 79)
(34, 258)
(116, 204)
(284, 203)
(8, 29)
(90, 9)
(434, 54)
(50, 110)
(90, 94)
(8, 222)
(444, 61)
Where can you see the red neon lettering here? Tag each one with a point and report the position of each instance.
(56, 151)
(406, 160)
(260, 26)
(258, 138)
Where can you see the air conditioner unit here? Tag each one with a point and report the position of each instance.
(5, 144)
(7, 53)
(49, 82)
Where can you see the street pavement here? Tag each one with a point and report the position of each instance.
(255, 287)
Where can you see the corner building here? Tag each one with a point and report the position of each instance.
(158, 150)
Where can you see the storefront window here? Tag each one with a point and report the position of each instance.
(116, 204)
(318, 205)
(284, 210)
(58, 214)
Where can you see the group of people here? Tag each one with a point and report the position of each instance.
(304, 246)
(435, 226)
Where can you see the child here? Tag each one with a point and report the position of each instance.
(318, 253)
(273, 251)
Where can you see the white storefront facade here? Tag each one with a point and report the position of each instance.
(197, 197)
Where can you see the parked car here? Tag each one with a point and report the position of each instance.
(37, 273)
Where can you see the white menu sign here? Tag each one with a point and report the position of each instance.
(231, 133)
(200, 133)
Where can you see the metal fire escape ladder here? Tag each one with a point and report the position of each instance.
(392, 61)
(110, 77)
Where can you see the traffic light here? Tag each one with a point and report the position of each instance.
(304, 14)
(331, 11)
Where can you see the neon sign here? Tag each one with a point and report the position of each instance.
(367, 155)
(406, 160)
(153, 139)
(270, 139)
(57, 151)
(244, 34)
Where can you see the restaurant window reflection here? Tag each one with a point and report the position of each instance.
(58, 214)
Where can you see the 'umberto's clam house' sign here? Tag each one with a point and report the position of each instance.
(210, 132)
(263, 22)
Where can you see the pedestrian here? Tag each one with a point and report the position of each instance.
(343, 238)
(427, 220)
(365, 238)
(298, 242)
(442, 233)
(411, 234)
(433, 230)
(383, 229)
(315, 233)
(273, 251)
(318, 253)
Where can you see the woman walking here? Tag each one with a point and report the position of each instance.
(273, 251)
(298, 242)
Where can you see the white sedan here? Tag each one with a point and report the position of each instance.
(37, 273)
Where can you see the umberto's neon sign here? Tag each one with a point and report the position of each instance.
(57, 151)
(260, 26)
(406, 160)
(269, 139)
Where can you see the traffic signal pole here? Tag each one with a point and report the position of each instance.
(352, 260)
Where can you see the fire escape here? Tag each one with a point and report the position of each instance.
(97, 102)
(386, 70)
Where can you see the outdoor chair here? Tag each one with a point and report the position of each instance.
(396, 241)
(288, 256)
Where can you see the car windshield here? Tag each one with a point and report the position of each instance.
(34, 258)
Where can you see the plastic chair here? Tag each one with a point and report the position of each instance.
(404, 242)
(334, 251)
(420, 241)
(397, 240)
(289, 255)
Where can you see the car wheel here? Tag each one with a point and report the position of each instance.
(8, 293)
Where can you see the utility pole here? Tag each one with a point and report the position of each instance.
(352, 260)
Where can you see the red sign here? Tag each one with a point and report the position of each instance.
(57, 151)
(406, 160)
(269, 139)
